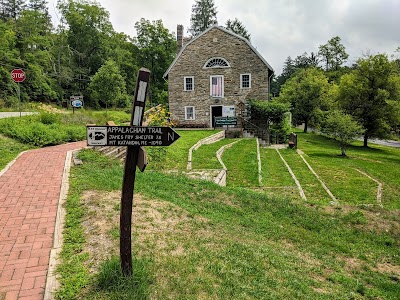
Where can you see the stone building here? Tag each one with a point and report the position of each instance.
(213, 75)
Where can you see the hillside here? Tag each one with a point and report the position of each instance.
(195, 240)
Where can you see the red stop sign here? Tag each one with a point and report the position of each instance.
(18, 75)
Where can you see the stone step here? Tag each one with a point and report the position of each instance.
(247, 134)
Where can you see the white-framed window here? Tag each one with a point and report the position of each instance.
(190, 113)
(188, 83)
(245, 81)
(217, 86)
(216, 62)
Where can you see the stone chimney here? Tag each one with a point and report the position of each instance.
(179, 37)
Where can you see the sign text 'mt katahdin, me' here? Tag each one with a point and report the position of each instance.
(130, 136)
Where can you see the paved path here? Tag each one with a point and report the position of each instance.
(29, 195)
(14, 114)
(388, 143)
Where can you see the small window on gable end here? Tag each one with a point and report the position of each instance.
(189, 113)
(217, 62)
(245, 81)
(188, 83)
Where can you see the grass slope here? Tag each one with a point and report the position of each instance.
(241, 162)
(196, 240)
(205, 157)
(9, 149)
(175, 157)
(348, 185)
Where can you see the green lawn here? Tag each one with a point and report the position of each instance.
(310, 184)
(175, 157)
(347, 184)
(205, 157)
(241, 162)
(9, 149)
(276, 179)
(196, 240)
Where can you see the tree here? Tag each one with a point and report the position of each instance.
(157, 50)
(366, 92)
(273, 116)
(237, 27)
(306, 91)
(341, 127)
(204, 15)
(87, 38)
(333, 54)
(290, 66)
(11, 9)
(107, 86)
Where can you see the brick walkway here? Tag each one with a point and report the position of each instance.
(29, 194)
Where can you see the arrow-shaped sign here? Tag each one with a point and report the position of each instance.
(130, 136)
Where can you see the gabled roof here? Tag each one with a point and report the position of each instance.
(225, 30)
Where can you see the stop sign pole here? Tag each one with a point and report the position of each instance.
(18, 75)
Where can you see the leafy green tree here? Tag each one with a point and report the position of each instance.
(107, 86)
(9, 56)
(11, 9)
(204, 15)
(87, 37)
(237, 27)
(125, 53)
(366, 93)
(333, 54)
(290, 66)
(33, 29)
(306, 91)
(157, 50)
(341, 127)
(271, 115)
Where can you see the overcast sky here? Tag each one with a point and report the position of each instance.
(278, 28)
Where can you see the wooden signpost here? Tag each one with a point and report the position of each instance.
(133, 136)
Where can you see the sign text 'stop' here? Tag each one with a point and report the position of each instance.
(18, 75)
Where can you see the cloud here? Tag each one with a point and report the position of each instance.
(279, 28)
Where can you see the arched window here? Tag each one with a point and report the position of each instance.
(217, 62)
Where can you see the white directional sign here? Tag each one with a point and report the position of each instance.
(130, 136)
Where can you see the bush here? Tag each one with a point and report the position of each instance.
(31, 130)
(49, 118)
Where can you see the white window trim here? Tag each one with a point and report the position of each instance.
(241, 81)
(223, 85)
(216, 67)
(194, 113)
(184, 83)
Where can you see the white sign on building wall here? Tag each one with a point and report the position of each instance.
(228, 111)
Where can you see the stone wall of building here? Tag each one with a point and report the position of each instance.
(242, 60)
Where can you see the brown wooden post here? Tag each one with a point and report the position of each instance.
(128, 182)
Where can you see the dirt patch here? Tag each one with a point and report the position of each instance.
(377, 219)
(389, 269)
(154, 226)
(99, 222)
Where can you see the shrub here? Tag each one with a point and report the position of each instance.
(49, 118)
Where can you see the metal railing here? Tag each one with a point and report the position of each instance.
(259, 132)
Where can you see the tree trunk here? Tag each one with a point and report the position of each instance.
(305, 126)
(365, 140)
(343, 151)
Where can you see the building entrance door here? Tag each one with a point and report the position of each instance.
(216, 111)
